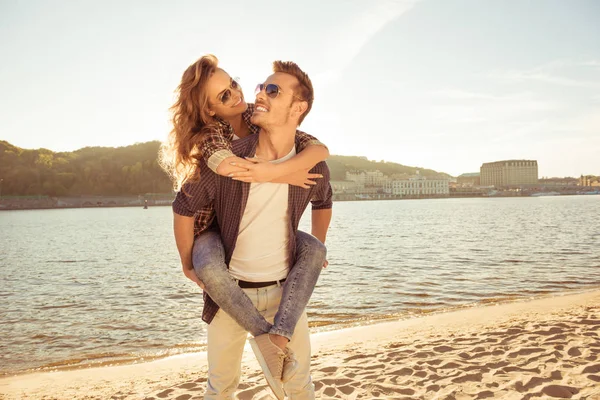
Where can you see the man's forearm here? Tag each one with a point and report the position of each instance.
(306, 159)
(320, 223)
(183, 228)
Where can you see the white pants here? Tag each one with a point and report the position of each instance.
(226, 340)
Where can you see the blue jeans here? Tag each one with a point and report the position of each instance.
(208, 257)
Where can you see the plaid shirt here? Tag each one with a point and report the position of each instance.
(216, 147)
(229, 198)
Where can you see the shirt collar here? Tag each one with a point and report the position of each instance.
(246, 116)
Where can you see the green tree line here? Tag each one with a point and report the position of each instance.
(108, 171)
(129, 170)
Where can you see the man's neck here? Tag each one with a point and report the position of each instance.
(239, 125)
(276, 143)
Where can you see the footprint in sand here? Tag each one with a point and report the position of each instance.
(532, 383)
(468, 378)
(164, 394)
(563, 392)
(499, 364)
(443, 349)
(512, 331)
(329, 370)
(191, 385)
(552, 331)
(371, 377)
(525, 351)
(574, 352)
(591, 369)
(386, 390)
(460, 340)
(556, 338)
(347, 389)
(512, 368)
(589, 322)
(420, 374)
(376, 366)
(490, 340)
(450, 365)
(423, 354)
(336, 382)
(356, 357)
(478, 368)
(482, 354)
(394, 345)
(595, 378)
(402, 372)
(433, 388)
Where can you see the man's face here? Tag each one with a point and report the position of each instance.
(281, 110)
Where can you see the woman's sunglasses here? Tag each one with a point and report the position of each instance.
(271, 90)
(226, 96)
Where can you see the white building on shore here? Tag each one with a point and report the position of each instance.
(418, 186)
(367, 178)
(345, 187)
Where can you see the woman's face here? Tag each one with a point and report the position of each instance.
(225, 97)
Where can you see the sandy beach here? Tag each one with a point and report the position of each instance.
(538, 349)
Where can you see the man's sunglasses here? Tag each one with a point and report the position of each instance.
(272, 90)
(226, 96)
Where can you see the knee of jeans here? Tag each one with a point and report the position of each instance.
(208, 259)
(318, 251)
(209, 267)
(206, 271)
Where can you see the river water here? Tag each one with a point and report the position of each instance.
(82, 287)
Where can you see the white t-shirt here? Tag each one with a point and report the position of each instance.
(261, 252)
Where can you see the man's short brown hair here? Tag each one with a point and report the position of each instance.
(304, 89)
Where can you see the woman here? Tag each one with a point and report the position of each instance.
(209, 113)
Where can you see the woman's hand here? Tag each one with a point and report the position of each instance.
(258, 170)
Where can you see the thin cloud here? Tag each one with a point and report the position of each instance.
(349, 37)
(553, 73)
(462, 106)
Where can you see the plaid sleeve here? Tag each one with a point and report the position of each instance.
(322, 198)
(305, 140)
(195, 195)
(215, 147)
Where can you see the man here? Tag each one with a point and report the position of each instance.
(258, 220)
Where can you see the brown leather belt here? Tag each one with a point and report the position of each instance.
(257, 285)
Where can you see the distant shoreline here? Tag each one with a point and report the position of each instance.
(53, 203)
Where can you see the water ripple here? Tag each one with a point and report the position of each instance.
(123, 299)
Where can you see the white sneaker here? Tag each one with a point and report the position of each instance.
(271, 360)
(290, 365)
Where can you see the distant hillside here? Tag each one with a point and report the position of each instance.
(338, 166)
(129, 170)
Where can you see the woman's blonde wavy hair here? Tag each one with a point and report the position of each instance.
(179, 155)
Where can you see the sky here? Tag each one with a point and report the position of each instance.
(440, 84)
